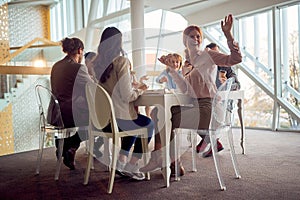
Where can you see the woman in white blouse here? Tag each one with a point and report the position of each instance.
(112, 70)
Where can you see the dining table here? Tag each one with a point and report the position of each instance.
(164, 99)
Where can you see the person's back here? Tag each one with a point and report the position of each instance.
(68, 79)
(63, 75)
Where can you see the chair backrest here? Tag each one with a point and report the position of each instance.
(101, 108)
(49, 108)
(220, 104)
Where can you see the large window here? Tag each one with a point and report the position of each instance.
(270, 69)
(269, 42)
(289, 65)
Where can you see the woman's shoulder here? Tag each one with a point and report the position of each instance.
(121, 63)
(121, 60)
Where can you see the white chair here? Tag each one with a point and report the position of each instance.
(220, 122)
(49, 106)
(102, 114)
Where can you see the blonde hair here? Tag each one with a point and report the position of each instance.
(189, 29)
(179, 58)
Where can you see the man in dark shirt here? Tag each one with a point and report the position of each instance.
(68, 80)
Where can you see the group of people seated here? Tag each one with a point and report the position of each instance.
(111, 69)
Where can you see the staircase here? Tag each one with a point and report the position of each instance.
(16, 91)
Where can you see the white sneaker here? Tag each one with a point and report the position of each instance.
(133, 172)
(120, 168)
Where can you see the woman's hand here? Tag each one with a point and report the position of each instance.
(226, 26)
(143, 87)
(167, 60)
(163, 79)
(144, 78)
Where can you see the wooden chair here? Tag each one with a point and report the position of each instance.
(102, 113)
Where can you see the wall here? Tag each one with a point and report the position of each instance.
(27, 23)
(19, 120)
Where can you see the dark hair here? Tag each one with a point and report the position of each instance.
(211, 45)
(71, 45)
(89, 55)
(109, 48)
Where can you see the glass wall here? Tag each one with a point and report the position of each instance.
(269, 42)
(289, 66)
(264, 54)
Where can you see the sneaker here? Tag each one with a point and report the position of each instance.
(97, 145)
(155, 163)
(208, 153)
(181, 170)
(120, 168)
(133, 172)
(97, 153)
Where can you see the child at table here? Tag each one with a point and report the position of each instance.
(165, 77)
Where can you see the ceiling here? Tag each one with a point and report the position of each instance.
(185, 7)
(31, 2)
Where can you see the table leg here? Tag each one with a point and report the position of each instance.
(164, 115)
(241, 118)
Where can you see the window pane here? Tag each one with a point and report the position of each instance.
(289, 20)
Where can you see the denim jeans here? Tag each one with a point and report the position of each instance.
(127, 142)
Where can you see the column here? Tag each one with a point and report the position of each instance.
(138, 36)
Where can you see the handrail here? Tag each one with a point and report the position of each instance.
(24, 70)
(26, 46)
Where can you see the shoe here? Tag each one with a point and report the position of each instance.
(97, 153)
(181, 170)
(201, 146)
(155, 163)
(208, 153)
(120, 168)
(69, 158)
(133, 171)
(97, 145)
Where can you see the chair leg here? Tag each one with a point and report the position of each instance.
(59, 160)
(116, 143)
(40, 152)
(194, 143)
(90, 160)
(232, 153)
(213, 142)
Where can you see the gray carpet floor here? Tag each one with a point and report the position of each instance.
(270, 169)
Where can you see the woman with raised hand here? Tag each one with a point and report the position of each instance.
(199, 81)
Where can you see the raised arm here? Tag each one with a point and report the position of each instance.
(235, 56)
